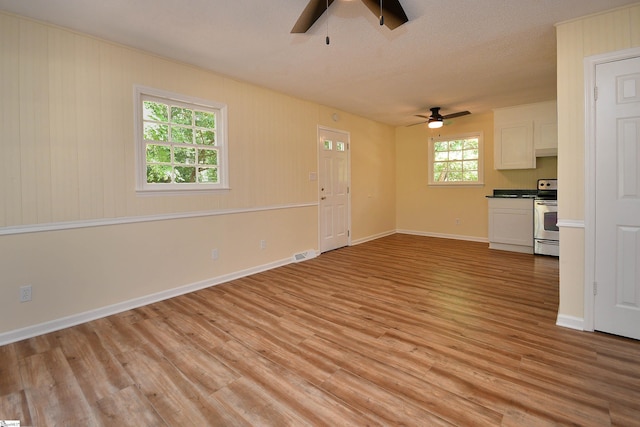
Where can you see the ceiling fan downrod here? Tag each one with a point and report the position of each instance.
(327, 41)
(381, 15)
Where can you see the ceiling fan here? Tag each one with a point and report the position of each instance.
(390, 13)
(436, 120)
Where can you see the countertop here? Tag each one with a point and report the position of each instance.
(513, 194)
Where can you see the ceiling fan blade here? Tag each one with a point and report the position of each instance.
(392, 11)
(454, 115)
(436, 116)
(310, 14)
(416, 124)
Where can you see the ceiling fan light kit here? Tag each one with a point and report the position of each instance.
(435, 124)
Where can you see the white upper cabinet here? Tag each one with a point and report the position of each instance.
(545, 135)
(524, 132)
(514, 145)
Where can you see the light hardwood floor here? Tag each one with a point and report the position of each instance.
(403, 330)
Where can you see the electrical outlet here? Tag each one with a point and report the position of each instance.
(25, 293)
(457, 221)
(214, 254)
(263, 244)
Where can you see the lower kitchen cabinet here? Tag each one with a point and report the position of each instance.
(511, 224)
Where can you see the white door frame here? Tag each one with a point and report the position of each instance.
(318, 148)
(590, 64)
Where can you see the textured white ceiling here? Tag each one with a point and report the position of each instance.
(457, 54)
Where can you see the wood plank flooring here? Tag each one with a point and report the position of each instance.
(403, 330)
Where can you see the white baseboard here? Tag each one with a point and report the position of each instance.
(445, 236)
(511, 248)
(370, 238)
(87, 316)
(570, 322)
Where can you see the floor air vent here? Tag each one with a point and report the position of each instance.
(302, 256)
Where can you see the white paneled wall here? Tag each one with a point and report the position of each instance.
(605, 32)
(67, 136)
(10, 161)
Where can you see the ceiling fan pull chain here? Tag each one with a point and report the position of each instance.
(327, 10)
(381, 16)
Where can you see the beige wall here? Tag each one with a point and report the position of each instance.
(373, 168)
(79, 270)
(68, 127)
(432, 210)
(606, 32)
(67, 160)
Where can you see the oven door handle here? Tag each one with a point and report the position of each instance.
(547, 202)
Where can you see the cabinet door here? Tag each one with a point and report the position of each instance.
(514, 146)
(511, 226)
(546, 138)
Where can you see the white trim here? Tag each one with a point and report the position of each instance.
(511, 248)
(582, 18)
(87, 316)
(444, 236)
(570, 322)
(55, 226)
(456, 184)
(570, 223)
(590, 64)
(373, 237)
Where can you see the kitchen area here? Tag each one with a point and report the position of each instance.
(520, 146)
(525, 220)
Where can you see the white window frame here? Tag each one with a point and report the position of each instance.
(432, 142)
(142, 93)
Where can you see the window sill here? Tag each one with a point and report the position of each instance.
(181, 192)
(456, 184)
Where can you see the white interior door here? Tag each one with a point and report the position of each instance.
(617, 198)
(334, 189)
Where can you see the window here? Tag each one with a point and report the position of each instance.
(340, 146)
(456, 160)
(181, 142)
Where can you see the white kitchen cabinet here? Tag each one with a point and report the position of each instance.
(511, 224)
(524, 132)
(545, 141)
(514, 146)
